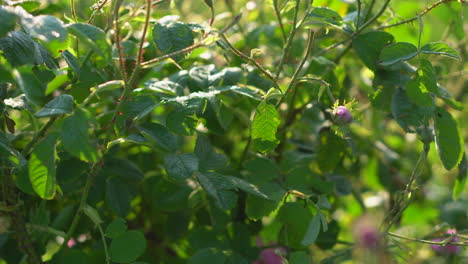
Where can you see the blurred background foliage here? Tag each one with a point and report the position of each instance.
(177, 226)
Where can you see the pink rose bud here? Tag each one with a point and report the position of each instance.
(71, 243)
(271, 256)
(343, 113)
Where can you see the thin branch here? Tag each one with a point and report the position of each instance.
(406, 197)
(425, 11)
(40, 134)
(79, 211)
(280, 22)
(73, 10)
(358, 20)
(310, 42)
(440, 243)
(97, 9)
(140, 48)
(122, 70)
(289, 42)
(359, 30)
(252, 62)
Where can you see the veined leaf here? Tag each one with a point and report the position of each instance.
(75, 137)
(181, 166)
(369, 45)
(397, 52)
(418, 92)
(440, 48)
(264, 126)
(172, 36)
(42, 168)
(93, 36)
(60, 105)
(449, 141)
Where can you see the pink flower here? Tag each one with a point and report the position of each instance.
(71, 243)
(271, 256)
(448, 249)
(343, 113)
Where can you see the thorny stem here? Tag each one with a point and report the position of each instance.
(140, 48)
(122, 69)
(427, 10)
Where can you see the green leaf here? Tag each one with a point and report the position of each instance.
(93, 36)
(71, 256)
(172, 36)
(331, 150)
(369, 45)
(325, 15)
(165, 88)
(18, 48)
(60, 105)
(264, 126)
(7, 20)
(201, 77)
(312, 230)
(218, 186)
(92, 214)
(45, 28)
(181, 122)
(299, 257)
(181, 166)
(127, 247)
(116, 228)
(418, 93)
(75, 137)
(261, 170)
(118, 196)
(208, 255)
(125, 169)
(72, 62)
(449, 141)
(208, 158)
(42, 168)
(397, 52)
(440, 48)
(461, 178)
(160, 135)
(427, 76)
(295, 218)
(257, 207)
(136, 108)
(44, 56)
(328, 239)
(445, 95)
(408, 114)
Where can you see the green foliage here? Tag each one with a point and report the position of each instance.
(131, 134)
